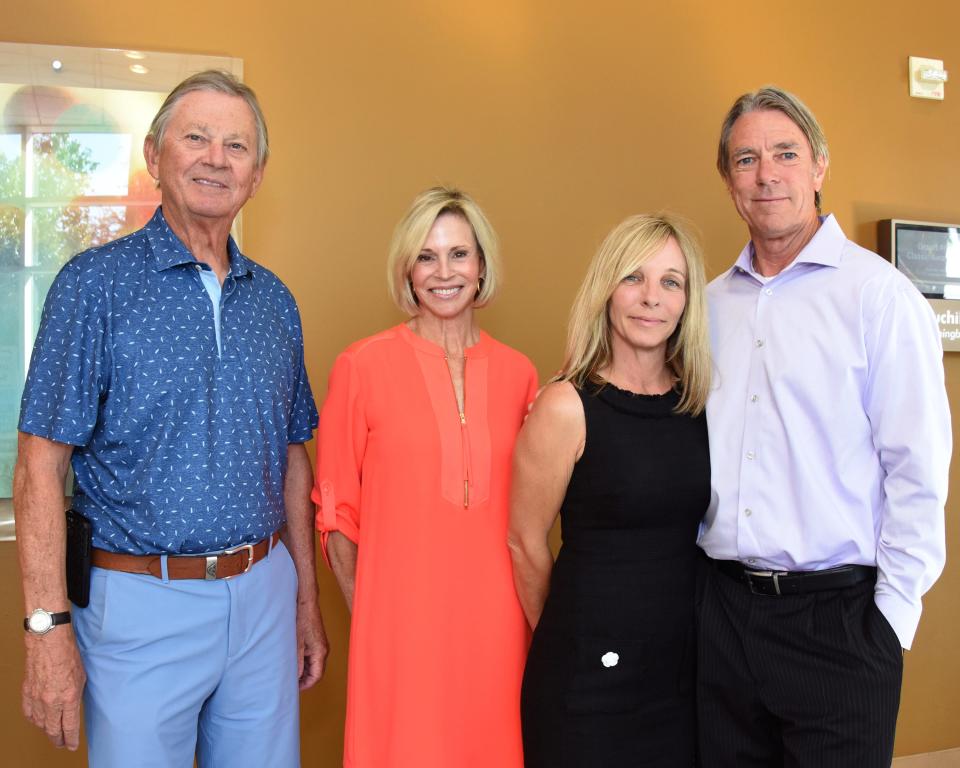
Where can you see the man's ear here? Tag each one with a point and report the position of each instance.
(727, 182)
(151, 153)
(257, 179)
(819, 173)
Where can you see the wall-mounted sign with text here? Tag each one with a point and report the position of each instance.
(929, 254)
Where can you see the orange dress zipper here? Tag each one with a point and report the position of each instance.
(464, 436)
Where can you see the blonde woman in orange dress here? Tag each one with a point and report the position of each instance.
(413, 475)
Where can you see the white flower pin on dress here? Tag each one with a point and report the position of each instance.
(610, 659)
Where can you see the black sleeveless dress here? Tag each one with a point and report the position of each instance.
(609, 681)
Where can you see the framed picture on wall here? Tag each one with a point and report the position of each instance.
(929, 254)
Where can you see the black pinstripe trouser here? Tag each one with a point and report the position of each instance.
(809, 681)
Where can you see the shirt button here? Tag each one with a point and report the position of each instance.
(754, 398)
(759, 342)
(748, 512)
(752, 560)
(750, 455)
(769, 292)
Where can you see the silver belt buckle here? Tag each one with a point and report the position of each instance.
(235, 550)
(762, 574)
(774, 575)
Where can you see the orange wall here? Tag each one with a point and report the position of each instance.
(561, 118)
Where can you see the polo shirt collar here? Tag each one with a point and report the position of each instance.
(824, 249)
(169, 250)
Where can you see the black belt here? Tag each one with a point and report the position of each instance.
(795, 582)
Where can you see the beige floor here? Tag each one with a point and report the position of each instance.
(949, 758)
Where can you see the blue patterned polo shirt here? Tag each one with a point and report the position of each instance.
(178, 448)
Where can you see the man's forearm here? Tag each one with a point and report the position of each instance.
(300, 539)
(299, 536)
(38, 503)
(53, 676)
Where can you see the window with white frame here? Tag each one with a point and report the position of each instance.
(72, 176)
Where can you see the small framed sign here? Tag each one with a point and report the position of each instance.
(929, 254)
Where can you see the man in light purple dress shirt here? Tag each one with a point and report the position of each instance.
(830, 443)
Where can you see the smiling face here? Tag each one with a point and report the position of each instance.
(448, 268)
(207, 165)
(772, 175)
(647, 305)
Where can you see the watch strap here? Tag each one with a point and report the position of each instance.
(55, 618)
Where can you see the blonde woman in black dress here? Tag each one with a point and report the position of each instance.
(617, 446)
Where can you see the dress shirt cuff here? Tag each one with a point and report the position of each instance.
(902, 616)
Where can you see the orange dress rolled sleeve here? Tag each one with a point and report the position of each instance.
(341, 443)
(438, 639)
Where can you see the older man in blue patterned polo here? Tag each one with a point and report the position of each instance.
(169, 372)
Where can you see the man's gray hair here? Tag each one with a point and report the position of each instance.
(220, 82)
(767, 98)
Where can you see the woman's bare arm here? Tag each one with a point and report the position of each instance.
(550, 443)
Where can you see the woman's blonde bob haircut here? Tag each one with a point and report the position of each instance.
(625, 249)
(412, 231)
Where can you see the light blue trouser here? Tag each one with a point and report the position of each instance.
(191, 666)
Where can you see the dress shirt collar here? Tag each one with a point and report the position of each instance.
(169, 250)
(824, 249)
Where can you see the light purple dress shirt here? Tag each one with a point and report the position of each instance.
(830, 431)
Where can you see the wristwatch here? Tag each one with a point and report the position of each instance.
(40, 621)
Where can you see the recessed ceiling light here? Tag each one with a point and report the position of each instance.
(138, 69)
(134, 55)
(56, 65)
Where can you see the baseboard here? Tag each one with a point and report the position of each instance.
(948, 758)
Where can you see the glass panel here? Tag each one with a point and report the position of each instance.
(10, 147)
(12, 370)
(11, 169)
(11, 199)
(11, 237)
(59, 232)
(72, 176)
(74, 164)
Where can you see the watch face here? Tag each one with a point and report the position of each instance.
(40, 622)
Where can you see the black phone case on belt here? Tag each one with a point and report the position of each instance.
(79, 554)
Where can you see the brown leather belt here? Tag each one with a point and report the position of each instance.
(224, 565)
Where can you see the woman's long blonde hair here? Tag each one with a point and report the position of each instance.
(624, 250)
